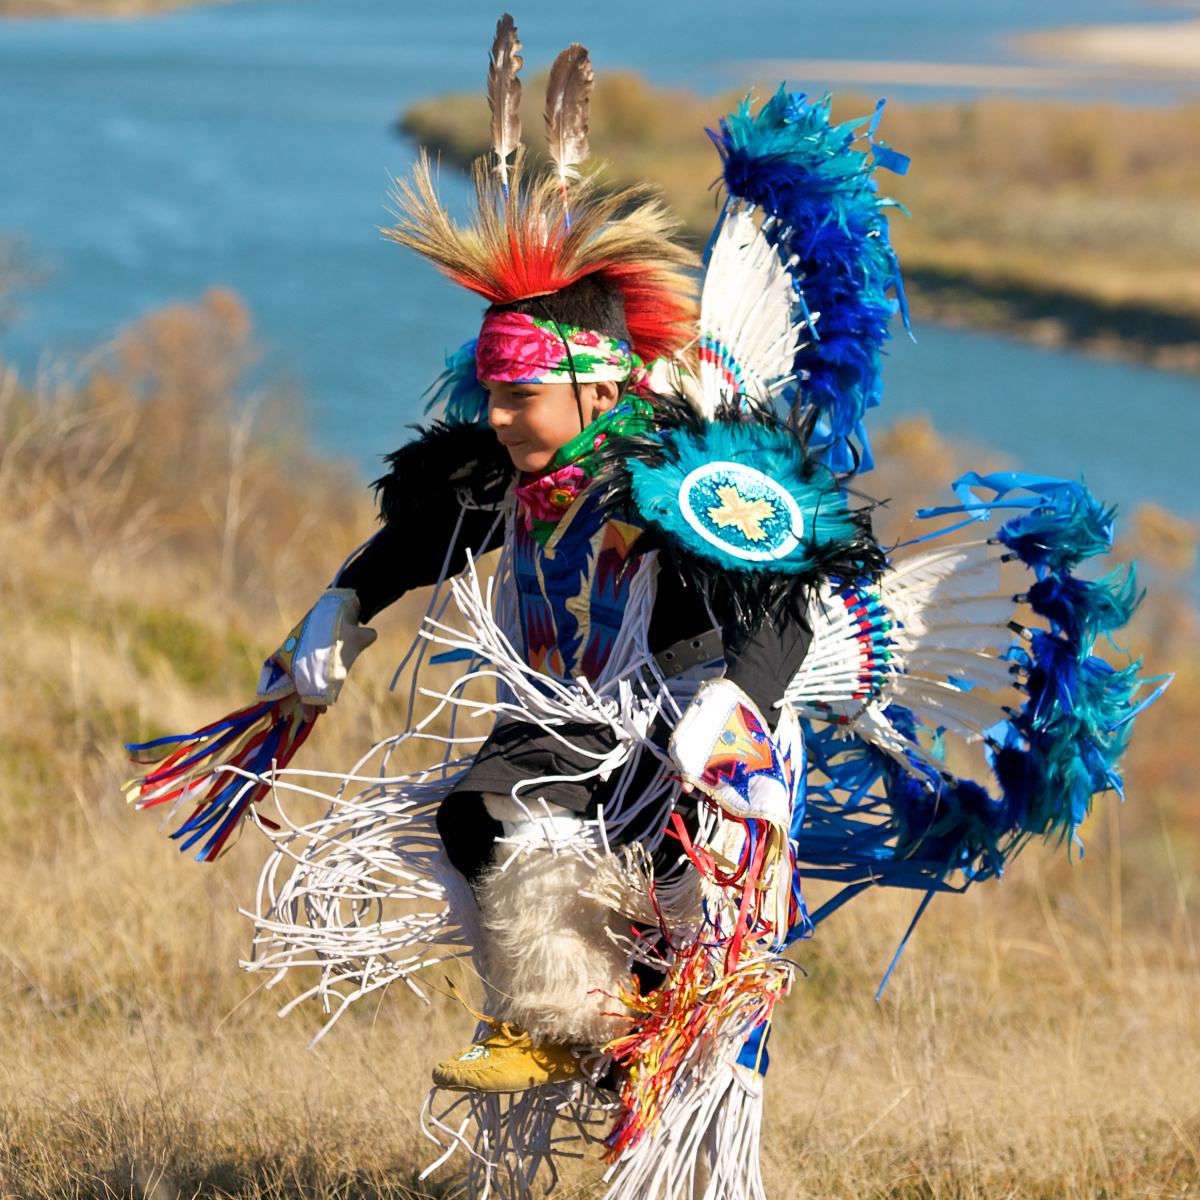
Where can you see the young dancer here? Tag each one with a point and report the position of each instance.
(688, 614)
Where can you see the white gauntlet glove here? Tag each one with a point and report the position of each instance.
(316, 656)
(724, 747)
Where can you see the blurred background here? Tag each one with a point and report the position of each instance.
(251, 145)
(206, 346)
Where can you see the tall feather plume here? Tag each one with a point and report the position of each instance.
(504, 93)
(519, 243)
(567, 111)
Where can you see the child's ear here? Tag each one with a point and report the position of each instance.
(608, 392)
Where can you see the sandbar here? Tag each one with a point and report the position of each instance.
(1168, 46)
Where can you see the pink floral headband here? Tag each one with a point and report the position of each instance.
(517, 348)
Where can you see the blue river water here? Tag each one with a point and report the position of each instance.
(251, 145)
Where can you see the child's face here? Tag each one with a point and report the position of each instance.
(532, 420)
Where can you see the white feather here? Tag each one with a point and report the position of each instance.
(922, 628)
(948, 618)
(872, 726)
(962, 635)
(746, 308)
(966, 714)
(956, 573)
(983, 670)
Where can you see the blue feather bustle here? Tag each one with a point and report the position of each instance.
(823, 212)
(873, 821)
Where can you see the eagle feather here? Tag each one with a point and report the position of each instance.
(504, 93)
(567, 110)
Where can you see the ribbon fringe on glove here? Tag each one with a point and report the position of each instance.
(210, 767)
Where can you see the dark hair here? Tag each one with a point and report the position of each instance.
(592, 302)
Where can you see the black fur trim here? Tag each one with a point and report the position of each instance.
(446, 459)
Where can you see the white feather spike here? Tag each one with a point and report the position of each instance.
(872, 726)
(941, 561)
(989, 606)
(954, 571)
(919, 592)
(995, 611)
(749, 338)
(983, 670)
(964, 636)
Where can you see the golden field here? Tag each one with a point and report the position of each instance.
(1041, 1036)
(1062, 222)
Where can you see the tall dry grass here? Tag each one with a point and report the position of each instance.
(162, 529)
(1039, 1037)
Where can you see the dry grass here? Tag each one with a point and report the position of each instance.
(161, 530)
(1039, 1037)
(1089, 198)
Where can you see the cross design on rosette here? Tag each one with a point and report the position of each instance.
(745, 515)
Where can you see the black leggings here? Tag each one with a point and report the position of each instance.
(469, 833)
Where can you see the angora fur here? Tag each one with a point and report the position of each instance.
(551, 964)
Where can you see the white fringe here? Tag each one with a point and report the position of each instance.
(370, 898)
(365, 896)
(509, 1139)
(706, 1146)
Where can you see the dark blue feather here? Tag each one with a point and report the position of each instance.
(1060, 534)
(1083, 610)
(830, 223)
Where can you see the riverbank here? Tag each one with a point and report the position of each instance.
(96, 8)
(1064, 224)
(1164, 46)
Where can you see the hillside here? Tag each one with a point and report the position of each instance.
(158, 538)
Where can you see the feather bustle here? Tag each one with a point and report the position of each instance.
(749, 337)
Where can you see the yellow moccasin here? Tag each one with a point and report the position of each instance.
(507, 1060)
